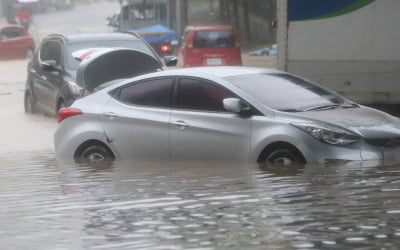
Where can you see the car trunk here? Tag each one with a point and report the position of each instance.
(106, 65)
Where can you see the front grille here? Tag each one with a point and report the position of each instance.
(387, 142)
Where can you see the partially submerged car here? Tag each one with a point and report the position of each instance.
(15, 43)
(224, 114)
(52, 73)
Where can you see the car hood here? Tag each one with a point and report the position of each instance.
(367, 122)
(110, 64)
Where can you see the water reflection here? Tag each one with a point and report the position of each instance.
(45, 205)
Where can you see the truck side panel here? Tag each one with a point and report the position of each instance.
(351, 46)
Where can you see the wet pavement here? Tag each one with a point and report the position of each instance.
(50, 205)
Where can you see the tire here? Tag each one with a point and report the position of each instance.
(60, 105)
(29, 54)
(95, 153)
(284, 157)
(29, 104)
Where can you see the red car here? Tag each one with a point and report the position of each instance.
(15, 42)
(213, 45)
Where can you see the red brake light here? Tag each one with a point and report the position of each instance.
(165, 48)
(67, 112)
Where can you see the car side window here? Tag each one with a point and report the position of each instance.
(51, 50)
(196, 94)
(153, 93)
(12, 32)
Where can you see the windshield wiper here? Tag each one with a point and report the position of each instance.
(333, 106)
(290, 110)
(324, 107)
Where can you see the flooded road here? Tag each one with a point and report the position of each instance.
(50, 205)
(45, 204)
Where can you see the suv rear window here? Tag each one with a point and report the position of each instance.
(213, 39)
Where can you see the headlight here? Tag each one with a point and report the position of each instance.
(328, 134)
(75, 88)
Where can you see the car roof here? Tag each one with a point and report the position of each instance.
(220, 71)
(12, 25)
(82, 37)
(209, 27)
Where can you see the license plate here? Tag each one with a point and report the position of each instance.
(214, 61)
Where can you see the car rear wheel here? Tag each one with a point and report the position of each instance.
(60, 105)
(29, 53)
(284, 156)
(29, 104)
(95, 153)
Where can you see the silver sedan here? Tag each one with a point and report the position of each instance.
(224, 114)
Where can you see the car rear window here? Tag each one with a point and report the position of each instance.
(72, 63)
(213, 39)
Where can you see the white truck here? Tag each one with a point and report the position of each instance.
(350, 46)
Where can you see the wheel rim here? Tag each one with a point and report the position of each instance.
(93, 157)
(95, 153)
(283, 161)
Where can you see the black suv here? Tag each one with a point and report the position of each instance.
(52, 72)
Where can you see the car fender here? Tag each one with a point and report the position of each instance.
(264, 135)
(70, 135)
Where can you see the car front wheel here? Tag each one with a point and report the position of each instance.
(284, 157)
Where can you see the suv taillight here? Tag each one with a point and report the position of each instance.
(67, 112)
(237, 43)
(165, 48)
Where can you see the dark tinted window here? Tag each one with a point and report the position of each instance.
(51, 50)
(214, 39)
(12, 32)
(73, 64)
(199, 95)
(285, 92)
(154, 93)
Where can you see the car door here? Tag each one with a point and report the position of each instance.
(48, 82)
(136, 120)
(202, 130)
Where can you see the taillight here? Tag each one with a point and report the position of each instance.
(165, 48)
(189, 43)
(67, 112)
(237, 43)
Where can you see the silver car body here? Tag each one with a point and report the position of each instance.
(169, 134)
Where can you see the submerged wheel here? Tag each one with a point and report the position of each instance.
(60, 105)
(95, 153)
(284, 155)
(29, 104)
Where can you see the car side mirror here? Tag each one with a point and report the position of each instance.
(170, 61)
(50, 65)
(236, 105)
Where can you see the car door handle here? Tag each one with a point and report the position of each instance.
(180, 124)
(110, 115)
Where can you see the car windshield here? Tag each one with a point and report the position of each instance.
(72, 63)
(214, 39)
(285, 92)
